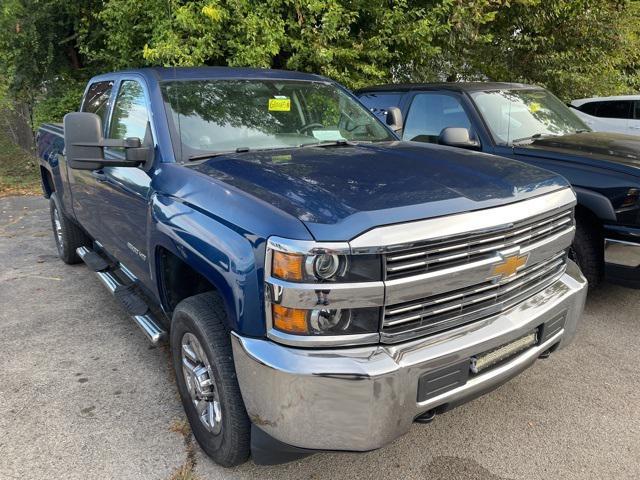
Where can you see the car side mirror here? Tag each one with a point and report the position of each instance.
(84, 144)
(457, 137)
(394, 119)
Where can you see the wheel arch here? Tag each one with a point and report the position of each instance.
(189, 247)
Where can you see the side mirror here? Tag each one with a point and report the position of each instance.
(457, 137)
(394, 119)
(84, 144)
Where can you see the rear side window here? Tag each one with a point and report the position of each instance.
(130, 114)
(378, 103)
(430, 113)
(588, 108)
(614, 109)
(97, 99)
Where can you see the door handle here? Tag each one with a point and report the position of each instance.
(99, 175)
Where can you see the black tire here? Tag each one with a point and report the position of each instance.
(587, 250)
(68, 236)
(203, 316)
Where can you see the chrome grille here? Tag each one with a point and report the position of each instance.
(461, 250)
(452, 309)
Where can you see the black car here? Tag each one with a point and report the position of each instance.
(530, 124)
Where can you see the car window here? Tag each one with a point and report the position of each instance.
(430, 113)
(636, 113)
(520, 115)
(588, 108)
(97, 99)
(378, 103)
(130, 115)
(211, 116)
(614, 109)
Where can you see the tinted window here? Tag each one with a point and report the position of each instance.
(430, 113)
(97, 99)
(636, 114)
(616, 109)
(379, 102)
(130, 115)
(588, 108)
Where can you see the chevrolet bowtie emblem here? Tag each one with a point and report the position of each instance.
(509, 266)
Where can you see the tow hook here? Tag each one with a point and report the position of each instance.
(545, 354)
(426, 417)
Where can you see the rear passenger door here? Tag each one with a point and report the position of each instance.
(86, 189)
(432, 112)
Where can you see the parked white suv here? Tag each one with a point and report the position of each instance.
(610, 114)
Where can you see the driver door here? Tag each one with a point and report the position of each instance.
(125, 191)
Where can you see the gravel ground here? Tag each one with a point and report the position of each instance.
(83, 395)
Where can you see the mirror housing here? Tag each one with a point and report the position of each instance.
(457, 137)
(394, 119)
(84, 144)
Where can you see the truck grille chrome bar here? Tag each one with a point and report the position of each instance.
(451, 252)
(442, 312)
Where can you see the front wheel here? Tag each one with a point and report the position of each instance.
(587, 251)
(206, 377)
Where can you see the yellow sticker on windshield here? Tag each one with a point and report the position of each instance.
(279, 104)
(534, 107)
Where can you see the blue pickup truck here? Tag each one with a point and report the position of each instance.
(321, 284)
(528, 123)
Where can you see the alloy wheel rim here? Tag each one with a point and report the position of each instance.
(57, 226)
(201, 383)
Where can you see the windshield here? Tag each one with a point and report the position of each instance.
(522, 115)
(224, 115)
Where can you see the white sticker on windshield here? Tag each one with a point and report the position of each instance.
(328, 135)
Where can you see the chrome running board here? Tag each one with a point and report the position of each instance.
(147, 323)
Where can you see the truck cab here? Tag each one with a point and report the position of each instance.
(308, 269)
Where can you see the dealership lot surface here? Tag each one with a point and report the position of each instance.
(83, 395)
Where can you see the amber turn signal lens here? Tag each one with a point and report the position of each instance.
(290, 320)
(287, 266)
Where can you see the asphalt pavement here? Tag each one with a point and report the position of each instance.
(84, 395)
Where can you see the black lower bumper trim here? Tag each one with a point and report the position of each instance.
(625, 276)
(266, 450)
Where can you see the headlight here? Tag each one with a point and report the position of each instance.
(325, 267)
(316, 289)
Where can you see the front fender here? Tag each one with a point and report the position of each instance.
(230, 259)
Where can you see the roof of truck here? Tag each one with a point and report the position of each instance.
(203, 73)
(453, 86)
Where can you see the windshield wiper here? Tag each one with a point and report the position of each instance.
(332, 143)
(203, 156)
(535, 136)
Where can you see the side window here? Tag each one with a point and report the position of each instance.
(430, 113)
(636, 109)
(97, 100)
(588, 108)
(616, 109)
(130, 114)
(379, 102)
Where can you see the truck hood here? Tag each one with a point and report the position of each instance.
(339, 192)
(621, 150)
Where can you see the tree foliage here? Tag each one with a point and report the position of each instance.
(48, 48)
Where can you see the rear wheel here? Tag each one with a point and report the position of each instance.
(587, 250)
(67, 235)
(206, 377)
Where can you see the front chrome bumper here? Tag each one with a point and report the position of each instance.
(361, 398)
